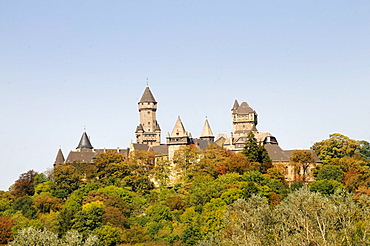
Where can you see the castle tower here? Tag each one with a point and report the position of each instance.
(59, 160)
(178, 138)
(84, 144)
(207, 133)
(148, 131)
(244, 119)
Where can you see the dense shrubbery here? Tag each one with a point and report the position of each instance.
(219, 198)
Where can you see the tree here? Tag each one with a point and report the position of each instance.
(108, 235)
(325, 187)
(25, 204)
(256, 152)
(89, 217)
(302, 160)
(186, 160)
(330, 172)
(6, 225)
(36, 237)
(191, 222)
(202, 190)
(246, 222)
(46, 204)
(365, 149)
(66, 179)
(337, 146)
(24, 185)
(111, 166)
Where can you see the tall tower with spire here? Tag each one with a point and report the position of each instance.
(148, 131)
(178, 138)
(244, 119)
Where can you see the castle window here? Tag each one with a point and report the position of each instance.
(148, 112)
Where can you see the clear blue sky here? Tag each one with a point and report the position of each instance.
(304, 66)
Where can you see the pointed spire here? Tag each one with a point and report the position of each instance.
(207, 132)
(147, 96)
(60, 158)
(179, 129)
(84, 142)
(235, 106)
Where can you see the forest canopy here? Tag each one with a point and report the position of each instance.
(217, 198)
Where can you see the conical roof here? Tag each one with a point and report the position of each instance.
(84, 142)
(147, 96)
(207, 132)
(179, 129)
(60, 158)
(235, 106)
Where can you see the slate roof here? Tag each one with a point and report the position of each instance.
(179, 129)
(88, 156)
(84, 142)
(136, 146)
(206, 132)
(139, 128)
(157, 127)
(202, 143)
(235, 106)
(276, 153)
(161, 149)
(147, 96)
(81, 156)
(59, 158)
(244, 108)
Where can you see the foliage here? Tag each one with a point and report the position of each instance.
(24, 185)
(326, 187)
(302, 160)
(89, 217)
(66, 180)
(6, 225)
(206, 197)
(330, 172)
(255, 151)
(337, 146)
(36, 237)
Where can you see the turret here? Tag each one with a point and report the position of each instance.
(84, 144)
(244, 119)
(59, 160)
(207, 133)
(178, 137)
(148, 131)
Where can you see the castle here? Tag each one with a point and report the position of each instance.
(148, 136)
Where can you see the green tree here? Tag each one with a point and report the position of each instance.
(325, 187)
(66, 179)
(191, 222)
(89, 217)
(202, 190)
(365, 149)
(330, 172)
(25, 204)
(256, 152)
(336, 146)
(108, 235)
